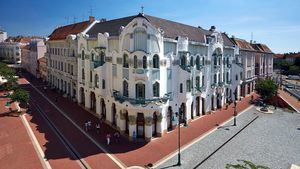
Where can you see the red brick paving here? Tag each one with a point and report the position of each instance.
(16, 149)
(85, 147)
(143, 153)
(290, 99)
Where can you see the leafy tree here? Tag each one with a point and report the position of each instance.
(266, 88)
(20, 95)
(10, 75)
(244, 164)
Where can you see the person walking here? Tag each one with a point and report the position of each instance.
(89, 125)
(86, 126)
(98, 128)
(134, 136)
(108, 139)
(117, 136)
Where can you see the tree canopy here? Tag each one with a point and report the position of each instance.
(267, 88)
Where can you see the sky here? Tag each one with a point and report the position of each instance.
(272, 22)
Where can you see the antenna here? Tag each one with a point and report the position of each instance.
(67, 20)
(142, 7)
(251, 36)
(91, 11)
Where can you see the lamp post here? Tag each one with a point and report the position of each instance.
(234, 116)
(179, 119)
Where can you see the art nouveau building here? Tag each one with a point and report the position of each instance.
(61, 57)
(263, 60)
(137, 72)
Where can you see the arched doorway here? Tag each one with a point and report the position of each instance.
(169, 118)
(219, 101)
(203, 106)
(212, 103)
(93, 101)
(192, 110)
(198, 106)
(182, 111)
(82, 100)
(114, 113)
(126, 122)
(140, 125)
(154, 125)
(103, 109)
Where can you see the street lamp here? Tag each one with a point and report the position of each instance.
(234, 116)
(185, 125)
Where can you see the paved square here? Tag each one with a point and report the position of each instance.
(271, 140)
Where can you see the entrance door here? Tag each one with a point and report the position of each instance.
(114, 112)
(192, 110)
(82, 96)
(203, 106)
(140, 125)
(154, 124)
(170, 118)
(126, 123)
(197, 106)
(103, 109)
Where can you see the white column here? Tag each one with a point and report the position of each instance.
(87, 100)
(148, 132)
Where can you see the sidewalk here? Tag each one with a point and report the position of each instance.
(142, 153)
(290, 99)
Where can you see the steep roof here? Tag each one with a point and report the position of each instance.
(261, 48)
(61, 33)
(171, 29)
(243, 44)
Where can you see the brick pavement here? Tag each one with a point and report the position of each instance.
(15, 144)
(290, 99)
(142, 153)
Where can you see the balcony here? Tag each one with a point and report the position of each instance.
(134, 101)
(185, 67)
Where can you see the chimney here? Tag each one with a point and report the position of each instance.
(91, 19)
(212, 28)
(251, 42)
(232, 36)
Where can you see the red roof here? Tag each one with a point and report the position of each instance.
(73, 29)
(243, 44)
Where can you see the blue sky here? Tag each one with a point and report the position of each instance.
(273, 22)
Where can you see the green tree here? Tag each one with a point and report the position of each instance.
(266, 88)
(20, 95)
(10, 75)
(244, 164)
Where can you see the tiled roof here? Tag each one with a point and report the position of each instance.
(73, 29)
(227, 41)
(261, 47)
(243, 44)
(171, 29)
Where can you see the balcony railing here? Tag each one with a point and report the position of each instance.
(185, 67)
(139, 101)
(96, 64)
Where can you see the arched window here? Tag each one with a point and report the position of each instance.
(198, 82)
(191, 61)
(125, 88)
(227, 62)
(73, 53)
(215, 60)
(155, 61)
(203, 61)
(135, 64)
(227, 77)
(96, 81)
(144, 62)
(125, 61)
(215, 78)
(82, 55)
(102, 57)
(198, 62)
(156, 89)
(140, 39)
(93, 56)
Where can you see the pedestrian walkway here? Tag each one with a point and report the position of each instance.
(292, 101)
(141, 153)
(16, 149)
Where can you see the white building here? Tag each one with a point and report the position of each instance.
(10, 50)
(137, 72)
(61, 57)
(3, 35)
(31, 53)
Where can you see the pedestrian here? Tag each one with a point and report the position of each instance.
(108, 139)
(98, 128)
(134, 136)
(56, 99)
(86, 126)
(117, 136)
(226, 106)
(89, 124)
(235, 103)
(45, 88)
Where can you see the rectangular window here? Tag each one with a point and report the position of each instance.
(114, 70)
(103, 84)
(91, 76)
(188, 85)
(181, 88)
(82, 73)
(202, 80)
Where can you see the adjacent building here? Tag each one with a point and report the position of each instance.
(3, 35)
(31, 54)
(61, 56)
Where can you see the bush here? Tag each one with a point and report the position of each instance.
(20, 95)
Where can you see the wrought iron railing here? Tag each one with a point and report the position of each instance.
(140, 101)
